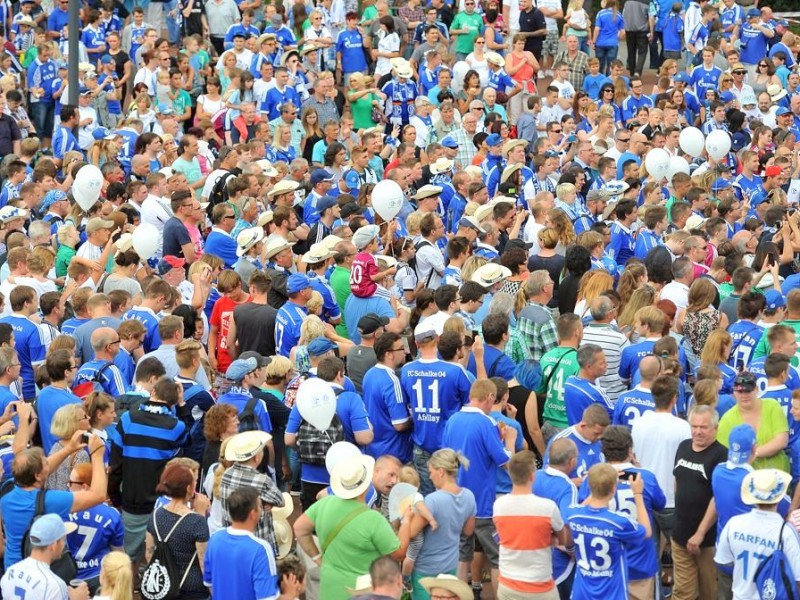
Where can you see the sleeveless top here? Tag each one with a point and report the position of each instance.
(525, 75)
(697, 326)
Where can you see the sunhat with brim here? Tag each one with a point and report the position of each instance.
(490, 273)
(329, 241)
(284, 186)
(471, 223)
(363, 586)
(484, 211)
(264, 37)
(509, 171)
(317, 254)
(765, 486)
(451, 583)
(248, 238)
(694, 222)
(284, 536)
(352, 476)
(386, 262)
(266, 168)
(276, 246)
(404, 72)
(338, 452)
(441, 165)
(265, 218)
(427, 191)
(495, 59)
(308, 48)
(776, 92)
(285, 511)
(124, 243)
(511, 144)
(244, 446)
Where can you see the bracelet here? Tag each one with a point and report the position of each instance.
(317, 557)
(96, 449)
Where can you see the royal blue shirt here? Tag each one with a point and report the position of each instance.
(579, 394)
(110, 378)
(473, 433)
(646, 241)
(496, 362)
(754, 44)
(503, 483)
(602, 540)
(274, 99)
(223, 245)
(42, 74)
(609, 24)
(434, 390)
(746, 336)
(631, 105)
(22, 504)
(589, 453)
(240, 565)
(556, 486)
(126, 153)
(99, 528)
(351, 45)
(673, 33)
(64, 141)
(383, 398)
(287, 327)
(631, 405)
(238, 397)
(632, 355)
(30, 349)
(50, 399)
(622, 244)
(152, 339)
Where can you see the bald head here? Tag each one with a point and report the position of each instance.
(562, 451)
(649, 368)
(102, 337)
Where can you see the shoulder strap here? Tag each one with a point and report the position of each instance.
(251, 405)
(103, 368)
(553, 370)
(336, 530)
(40, 508)
(490, 370)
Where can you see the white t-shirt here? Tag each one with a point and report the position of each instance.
(677, 292)
(388, 43)
(565, 89)
(552, 24)
(656, 437)
(33, 580)
(85, 138)
(531, 232)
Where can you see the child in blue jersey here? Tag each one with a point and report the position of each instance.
(586, 436)
(634, 403)
(602, 536)
(746, 333)
(673, 33)
(776, 368)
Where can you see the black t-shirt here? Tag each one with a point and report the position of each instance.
(693, 489)
(532, 21)
(278, 417)
(255, 328)
(9, 133)
(120, 58)
(175, 235)
(194, 23)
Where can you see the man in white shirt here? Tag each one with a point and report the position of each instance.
(678, 289)
(98, 231)
(656, 437)
(156, 210)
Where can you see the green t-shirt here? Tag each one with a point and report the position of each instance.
(63, 257)
(182, 102)
(558, 365)
(340, 282)
(370, 14)
(362, 112)
(773, 422)
(465, 42)
(763, 349)
(367, 537)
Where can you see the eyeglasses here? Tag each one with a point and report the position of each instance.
(609, 91)
(75, 482)
(741, 72)
(624, 140)
(397, 350)
(556, 131)
(72, 368)
(116, 341)
(479, 108)
(229, 217)
(480, 43)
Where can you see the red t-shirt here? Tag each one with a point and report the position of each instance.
(221, 318)
(361, 272)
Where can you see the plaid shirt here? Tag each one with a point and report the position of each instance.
(538, 329)
(466, 149)
(240, 475)
(578, 67)
(326, 110)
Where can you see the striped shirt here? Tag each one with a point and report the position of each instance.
(612, 342)
(525, 525)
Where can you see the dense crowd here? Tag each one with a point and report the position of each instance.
(450, 281)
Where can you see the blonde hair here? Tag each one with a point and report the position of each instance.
(472, 264)
(315, 303)
(706, 392)
(449, 460)
(593, 283)
(222, 466)
(644, 296)
(62, 342)
(412, 223)
(562, 189)
(311, 329)
(717, 347)
(408, 474)
(548, 238)
(66, 420)
(629, 281)
(562, 225)
(279, 366)
(116, 576)
(456, 325)
(185, 461)
(41, 260)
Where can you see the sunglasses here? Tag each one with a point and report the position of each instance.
(762, 64)
(742, 72)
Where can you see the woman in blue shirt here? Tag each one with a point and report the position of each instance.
(282, 144)
(608, 31)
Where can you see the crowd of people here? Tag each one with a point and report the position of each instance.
(438, 300)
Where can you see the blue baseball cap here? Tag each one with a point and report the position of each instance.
(494, 140)
(297, 282)
(48, 529)
(680, 77)
(753, 12)
(720, 183)
(774, 300)
(449, 142)
(101, 133)
(727, 96)
(106, 60)
(320, 346)
(165, 109)
(85, 91)
(320, 175)
(325, 203)
(740, 444)
(240, 368)
(782, 110)
(51, 198)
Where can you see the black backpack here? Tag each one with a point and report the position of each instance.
(313, 444)
(219, 192)
(247, 418)
(65, 568)
(160, 580)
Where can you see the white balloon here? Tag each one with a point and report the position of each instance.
(338, 452)
(316, 402)
(691, 141)
(718, 144)
(459, 70)
(145, 240)
(87, 186)
(387, 199)
(657, 163)
(677, 164)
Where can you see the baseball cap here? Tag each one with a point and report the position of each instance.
(101, 133)
(364, 235)
(106, 60)
(166, 264)
(753, 12)
(370, 323)
(517, 244)
(96, 223)
(449, 142)
(165, 109)
(239, 368)
(424, 332)
(680, 77)
(494, 140)
(727, 96)
(720, 184)
(262, 361)
(740, 444)
(297, 282)
(85, 91)
(350, 209)
(320, 175)
(772, 171)
(774, 300)
(325, 203)
(320, 346)
(48, 529)
(744, 382)
(782, 110)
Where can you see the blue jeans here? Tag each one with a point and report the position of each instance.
(605, 54)
(173, 29)
(421, 458)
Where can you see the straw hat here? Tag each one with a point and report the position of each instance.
(284, 186)
(451, 583)
(490, 273)
(284, 536)
(244, 446)
(352, 476)
(441, 165)
(765, 486)
(363, 586)
(248, 238)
